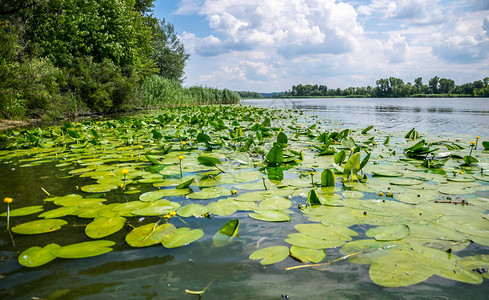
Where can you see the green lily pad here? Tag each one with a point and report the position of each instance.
(387, 173)
(24, 211)
(98, 188)
(389, 233)
(476, 264)
(103, 226)
(84, 249)
(277, 203)
(152, 196)
(270, 216)
(222, 208)
(397, 268)
(270, 255)
(307, 241)
(157, 208)
(239, 177)
(307, 255)
(182, 237)
(59, 212)
(210, 193)
(193, 209)
(39, 226)
(226, 233)
(149, 234)
(37, 256)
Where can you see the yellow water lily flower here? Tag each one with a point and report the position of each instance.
(180, 157)
(125, 171)
(8, 200)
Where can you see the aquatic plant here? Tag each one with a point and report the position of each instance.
(390, 205)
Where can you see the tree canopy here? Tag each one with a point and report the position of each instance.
(68, 56)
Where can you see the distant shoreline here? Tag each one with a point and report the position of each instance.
(363, 96)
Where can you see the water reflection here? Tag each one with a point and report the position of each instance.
(467, 116)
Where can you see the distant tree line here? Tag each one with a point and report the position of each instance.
(395, 87)
(249, 95)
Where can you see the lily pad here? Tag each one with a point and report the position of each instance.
(37, 256)
(24, 211)
(39, 226)
(192, 209)
(222, 208)
(210, 193)
(226, 233)
(270, 216)
(389, 233)
(149, 234)
(103, 226)
(182, 237)
(307, 255)
(59, 212)
(84, 249)
(270, 255)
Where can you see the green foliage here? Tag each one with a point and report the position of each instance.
(169, 53)
(158, 91)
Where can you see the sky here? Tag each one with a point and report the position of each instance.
(270, 45)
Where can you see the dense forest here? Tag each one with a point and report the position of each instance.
(67, 57)
(391, 87)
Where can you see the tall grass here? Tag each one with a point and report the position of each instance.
(161, 92)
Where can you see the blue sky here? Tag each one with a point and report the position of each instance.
(270, 45)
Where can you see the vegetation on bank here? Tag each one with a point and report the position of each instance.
(387, 88)
(158, 92)
(71, 57)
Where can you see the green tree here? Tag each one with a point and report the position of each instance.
(169, 53)
(433, 85)
(446, 86)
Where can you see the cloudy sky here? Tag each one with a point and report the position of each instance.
(270, 45)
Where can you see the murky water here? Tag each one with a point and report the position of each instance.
(160, 273)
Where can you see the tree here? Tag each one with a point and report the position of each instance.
(446, 86)
(433, 85)
(169, 53)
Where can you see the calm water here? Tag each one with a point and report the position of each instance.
(441, 115)
(159, 273)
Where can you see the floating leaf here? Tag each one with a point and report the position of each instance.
(208, 160)
(39, 226)
(389, 233)
(37, 256)
(24, 211)
(59, 212)
(270, 216)
(182, 237)
(210, 193)
(276, 203)
(307, 255)
(192, 209)
(103, 226)
(222, 208)
(270, 255)
(152, 196)
(149, 234)
(307, 241)
(226, 233)
(84, 249)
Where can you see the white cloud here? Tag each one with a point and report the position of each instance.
(270, 45)
(187, 7)
(292, 27)
(396, 48)
(465, 39)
